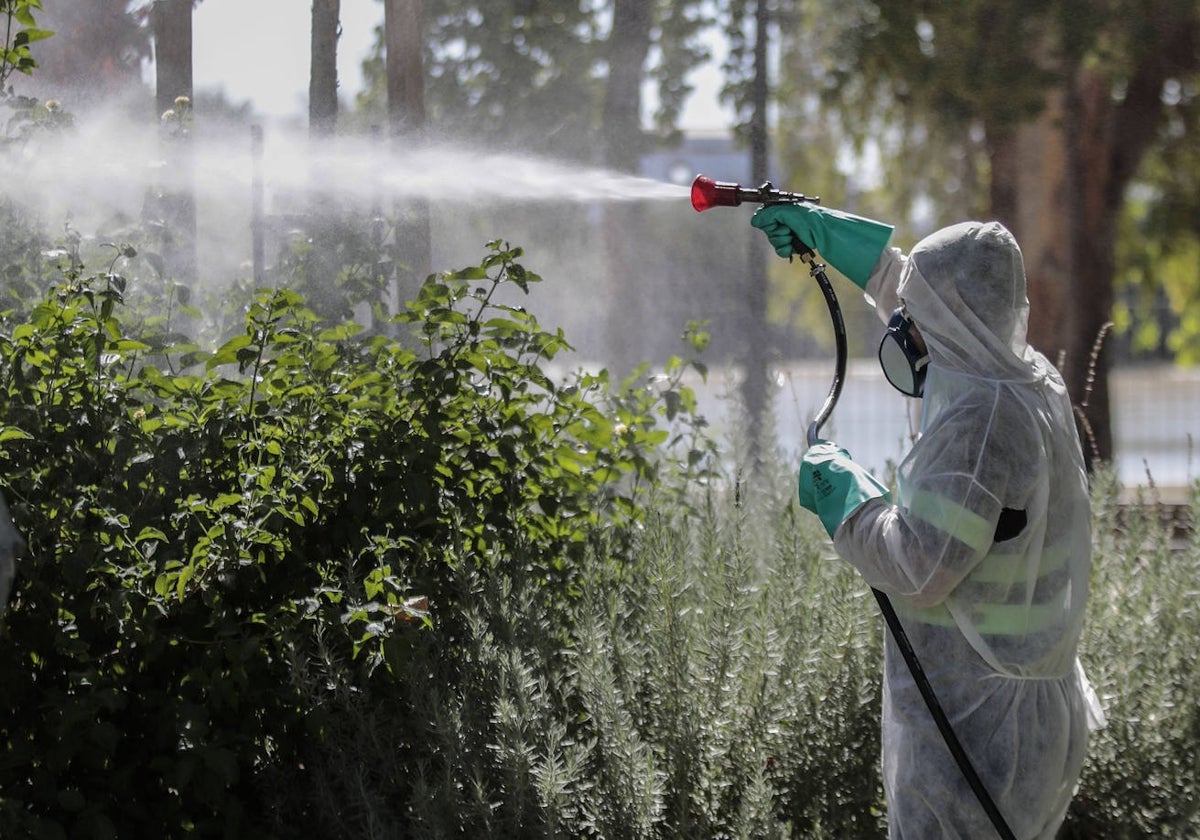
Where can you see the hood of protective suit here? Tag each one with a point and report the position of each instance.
(964, 287)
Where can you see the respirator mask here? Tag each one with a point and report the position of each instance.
(903, 360)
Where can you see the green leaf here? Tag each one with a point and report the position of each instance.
(149, 533)
(162, 585)
(225, 500)
(185, 575)
(228, 352)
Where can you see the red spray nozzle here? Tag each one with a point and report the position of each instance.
(708, 193)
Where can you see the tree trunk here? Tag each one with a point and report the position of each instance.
(1108, 138)
(757, 374)
(176, 206)
(1029, 175)
(1057, 170)
(406, 117)
(172, 21)
(629, 310)
(1094, 197)
(405, 71)
(322, 78)
(1072, 168)
(325, 214)
(628, 46)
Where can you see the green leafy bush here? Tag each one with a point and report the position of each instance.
(205, 529)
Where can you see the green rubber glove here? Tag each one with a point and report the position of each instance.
(851, 244)
(832, 486)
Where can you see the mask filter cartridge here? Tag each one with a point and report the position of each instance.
(903, 359)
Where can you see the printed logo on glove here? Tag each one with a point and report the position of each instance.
(821, 486)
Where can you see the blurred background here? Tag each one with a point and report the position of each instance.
(358, 146)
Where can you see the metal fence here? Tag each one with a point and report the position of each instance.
(1155, 412)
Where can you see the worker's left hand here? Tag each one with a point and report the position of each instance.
(832, 486)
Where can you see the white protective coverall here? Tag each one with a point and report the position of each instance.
(985, 555)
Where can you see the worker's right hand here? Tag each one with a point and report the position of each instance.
(788, 226)
(851, 244)
(832, 486)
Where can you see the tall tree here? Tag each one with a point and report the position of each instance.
(403, 25)
(1059, 102)
(758, 355)
(403, 21)
(1106, 138)
(622, 145)
(326, 223)
(172, 22)
(636, 27)
(748, 26)
(176, 206)
(628, 47)
(322, 78)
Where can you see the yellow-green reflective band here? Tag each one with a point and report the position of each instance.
(936, 615)
(992, 619)
(954, 519)
(998, 568)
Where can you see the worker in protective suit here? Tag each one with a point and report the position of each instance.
(985, 549)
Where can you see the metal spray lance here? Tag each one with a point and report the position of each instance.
(706, 194)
